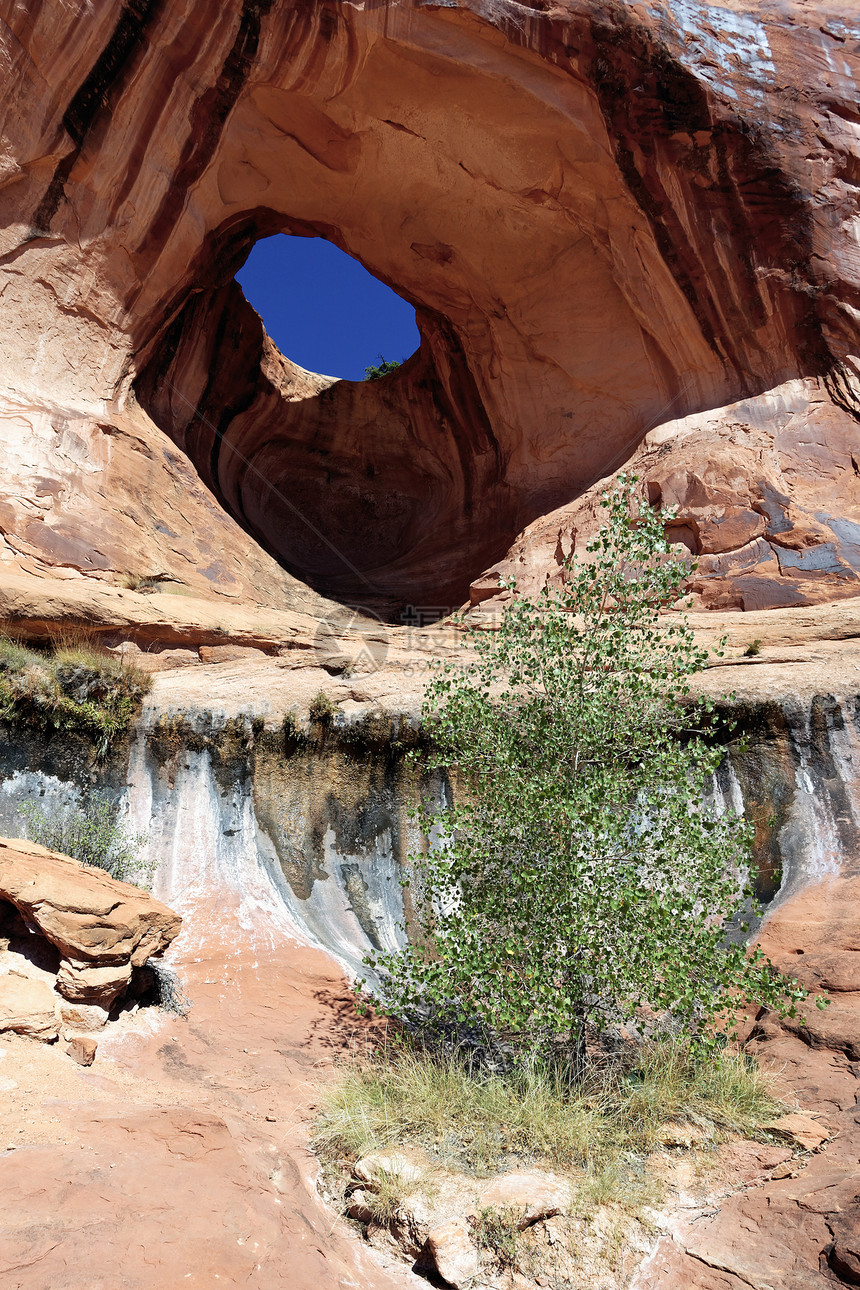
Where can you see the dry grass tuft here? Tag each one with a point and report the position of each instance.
(601, 1132)
(385, 1198)
(497, 1231)
(74, 685)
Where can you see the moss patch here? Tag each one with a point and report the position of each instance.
(73, 687)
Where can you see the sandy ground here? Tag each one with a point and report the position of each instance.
(180, 1157)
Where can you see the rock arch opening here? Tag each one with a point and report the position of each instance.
(323, 309)
(368, 491)
(626, 253)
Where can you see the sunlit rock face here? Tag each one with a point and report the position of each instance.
(610, 220)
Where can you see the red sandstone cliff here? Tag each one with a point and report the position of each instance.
(614, 222)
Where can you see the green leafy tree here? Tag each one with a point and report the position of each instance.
(581, 874)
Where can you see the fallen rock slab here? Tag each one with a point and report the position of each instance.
(454, 1255)
(802, 1129)
(28, 1007)
(89, 916)
(750, 1162)
(82, 1049)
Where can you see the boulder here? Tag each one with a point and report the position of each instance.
(90, 917)
(28, 1007)
(104, 929)
(396, 1164)
(453, 1252)
(83, 1016)
(359, 1206)
(533, 1194)
(84, 983)
(82, 1049)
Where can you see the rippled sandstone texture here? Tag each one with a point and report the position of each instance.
(613, 222)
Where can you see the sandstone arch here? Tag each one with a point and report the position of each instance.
(605, 221)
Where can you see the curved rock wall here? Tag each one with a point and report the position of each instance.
(310, 836)
(607, 218)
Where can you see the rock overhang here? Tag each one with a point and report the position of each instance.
(601, 231)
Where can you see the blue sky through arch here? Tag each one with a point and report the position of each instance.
(323, 309)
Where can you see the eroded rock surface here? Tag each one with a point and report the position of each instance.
(610, 219)
(92, 919)
(98, 929)
(797, 1231)
(181, 1157)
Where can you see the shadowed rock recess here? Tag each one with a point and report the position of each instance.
(626, 233)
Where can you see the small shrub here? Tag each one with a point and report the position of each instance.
(497, 1231)
(383, 368)
(15, 657)
(140, 581)
(75, 687)
(753, 649)
(322, 709)
(92, 833)
(167, 992)
(291, 729)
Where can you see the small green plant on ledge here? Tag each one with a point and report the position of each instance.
(322, 709)
(384, 367)
(92, 833)
(753, 649)
(293, 732)
(73, 686)
(141, 581)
